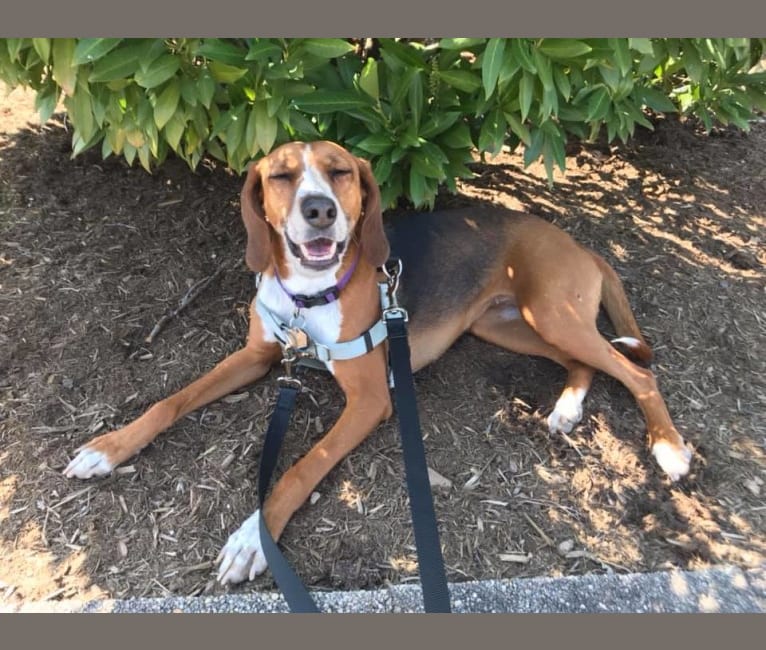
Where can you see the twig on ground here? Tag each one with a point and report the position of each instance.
(189, 297)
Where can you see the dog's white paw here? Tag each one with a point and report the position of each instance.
(242, 556)
(567, 412)
(88, 463)
(675, 462)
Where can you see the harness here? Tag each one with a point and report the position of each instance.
(299, 349)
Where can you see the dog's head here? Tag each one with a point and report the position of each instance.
(311, 201)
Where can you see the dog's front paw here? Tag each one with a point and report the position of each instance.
(89, 462)
(242, 556)
(674, 460)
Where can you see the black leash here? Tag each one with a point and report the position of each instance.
(430, 562)
(298, 599)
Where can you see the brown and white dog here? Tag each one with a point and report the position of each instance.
(312, 214)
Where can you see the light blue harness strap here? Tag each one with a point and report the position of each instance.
(343, 351)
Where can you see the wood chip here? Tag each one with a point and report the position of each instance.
(519, 558)
(228, 460)
(233, 399)
(437, 480)
(565, 547)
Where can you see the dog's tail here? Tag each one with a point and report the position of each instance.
(617, 306)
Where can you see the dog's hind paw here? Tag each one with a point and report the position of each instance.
(88, 463)
(567, 412)
(242, 556)
(675, 461)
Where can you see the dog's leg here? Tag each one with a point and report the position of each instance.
(503, 326)
(570, 326)
(368, 403)
(103, 453)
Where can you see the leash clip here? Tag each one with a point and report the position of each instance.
(392, 269)
(289, 357)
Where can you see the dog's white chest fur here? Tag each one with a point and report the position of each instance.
(321, 323)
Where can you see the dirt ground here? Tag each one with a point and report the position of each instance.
(93, 254)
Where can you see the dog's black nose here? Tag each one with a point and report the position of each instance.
(319, 211)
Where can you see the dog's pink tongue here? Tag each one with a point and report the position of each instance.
(320, 247)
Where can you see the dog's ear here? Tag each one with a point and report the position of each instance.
(372, 237)
(258, 253)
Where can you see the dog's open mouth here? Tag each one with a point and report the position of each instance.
(317, 254)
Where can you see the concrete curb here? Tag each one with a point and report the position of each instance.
(725, 589)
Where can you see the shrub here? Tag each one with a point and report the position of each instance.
(415, 108)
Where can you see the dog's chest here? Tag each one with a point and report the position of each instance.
(321, 323)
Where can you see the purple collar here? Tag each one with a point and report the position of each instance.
(324, 297)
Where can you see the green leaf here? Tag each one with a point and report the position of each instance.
(377, 143)
(89, 50)
(218, 49)
(562, 82)
(543, 65)
(265, 127)
(430, 161)
(509, 69)
(144, 159)
(657, 101)
(43, 48)
(415, 100)
(532, 152)
(621, 54)
(119, 64)
(610, 75)
(457, 137)
(302, 126)
(189, 90)
(492, 133)
(642, 45)
(174, 129)
(263, 50)
(46, 101)
(598, 104)
(368, 79)
(206, 88)
(563, 48)
(130, 153)
(382, 169)
(330, 101)
(158, 72)
(167, 103)
(692, 62)
(224, 73)
(80, 113)
(404, 54)
(518, 128)
(327, 48)
(520, 49)
(460, 43)
(14, 46)
(417, 188)
(235, 131)
(463, 80)
(64, 71)
(526, 92)
(437, 123)
(491, 64)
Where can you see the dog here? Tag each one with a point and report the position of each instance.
(315, 233)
